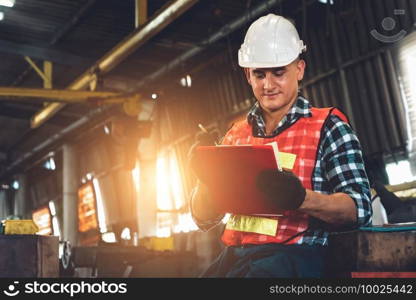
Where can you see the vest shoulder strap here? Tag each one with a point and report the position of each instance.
(326, 111)
(339, 114)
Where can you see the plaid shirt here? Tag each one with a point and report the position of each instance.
(335, 171)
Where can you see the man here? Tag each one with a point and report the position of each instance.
(326, 190)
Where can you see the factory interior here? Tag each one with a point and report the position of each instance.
(101, 101)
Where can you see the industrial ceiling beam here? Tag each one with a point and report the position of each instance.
(42, 53)
(223, 32)
(116, 55)
(141, 12)
(60, 33)
(68, 96)
(130, 102)
(45, 74)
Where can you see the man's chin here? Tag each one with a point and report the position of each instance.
(274, 106)
(274, 109)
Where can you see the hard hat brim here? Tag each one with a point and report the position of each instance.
(265, 64)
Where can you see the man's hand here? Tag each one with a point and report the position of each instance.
(282, 188)
(202, 139)
(201, 206)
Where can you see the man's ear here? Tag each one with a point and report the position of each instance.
(301, 65)
(247, 73)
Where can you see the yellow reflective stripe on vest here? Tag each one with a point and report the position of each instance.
(254, 224)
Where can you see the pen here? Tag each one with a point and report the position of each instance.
(205, 131)
(202, 128)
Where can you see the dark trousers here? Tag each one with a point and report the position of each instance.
(270, 261)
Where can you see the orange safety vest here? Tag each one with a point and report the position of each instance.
(302, 139)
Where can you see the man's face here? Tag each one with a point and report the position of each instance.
(276, 88)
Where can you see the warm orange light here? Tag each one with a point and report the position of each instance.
(170, 197)
(87, 218)
(42, 218)
(102, 220)
(136, 177)
(164, 196)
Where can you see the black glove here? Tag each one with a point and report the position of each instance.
(282, 188)
(206, 138)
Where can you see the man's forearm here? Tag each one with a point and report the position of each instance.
(337, 208)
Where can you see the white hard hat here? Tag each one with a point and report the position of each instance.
(271, 41)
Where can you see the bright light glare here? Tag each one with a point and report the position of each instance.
(55, 226)
(42, 218)
(154, 96)
(106, 129)
(8, 3)
(399, 173)
(1, 16)
(164, 201)
(410, 63)
(170, 196)
(186, 81)
(125, 234)
(102, 223)
(109, 237)
(50, 164)
(410, 72)
(136, 176)
(15, 185)
(163, 232)
(169, 185)
(55, 223)
(185, 223)
(52, 208)
(175, 182)
(226, 218)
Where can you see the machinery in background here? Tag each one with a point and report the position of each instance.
(122, 261)
(398, 211)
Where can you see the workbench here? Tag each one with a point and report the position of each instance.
(372, 254)
(29, 256)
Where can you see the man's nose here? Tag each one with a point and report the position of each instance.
(269, 82)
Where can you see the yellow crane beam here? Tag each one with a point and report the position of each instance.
(141, 12)
(130, 102)
(68, 96)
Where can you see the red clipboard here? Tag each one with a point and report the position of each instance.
(230, 172)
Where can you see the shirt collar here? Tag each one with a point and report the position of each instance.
(301, 108)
